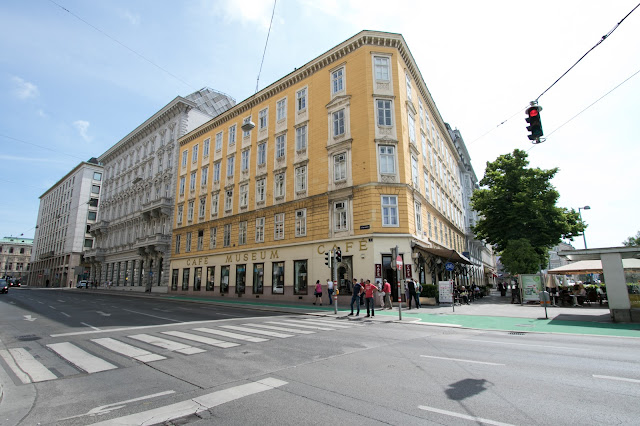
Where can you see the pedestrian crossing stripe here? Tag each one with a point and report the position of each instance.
(312, 327)
(201, 339)
(80, 358)
(128, 350)
(231, 335)
(276, 328)
(169, 345)
(254, 331)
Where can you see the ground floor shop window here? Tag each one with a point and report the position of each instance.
(126, 273)
(277, 286)
(345, 275)
(210, 276)
(118, 275)
(258, 278)
(140, 273)
(185, 278)
(300, 277)
(197, 279)
(241, 278)
(174, 280)
(224, 279)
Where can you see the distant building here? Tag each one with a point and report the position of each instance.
(483, 271)
(133, 231)
(15, 254)
(66, 212)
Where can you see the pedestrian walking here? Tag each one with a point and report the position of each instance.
(330, 290)
(318, 293)
(369, 291)
(418, 292)
(355, 297)
(380, 294)
(362, 293)
(411, 286)
(386, 288)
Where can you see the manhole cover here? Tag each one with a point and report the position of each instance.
(28, 337)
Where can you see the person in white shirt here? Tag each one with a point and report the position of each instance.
(330, 290)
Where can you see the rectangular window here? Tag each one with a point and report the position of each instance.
(214, 204)
(389, 210)
(227, 235)
(381, 65)
(424, 148)
(277, 278)
(281, 109)
(197, 279)
(241, 278)
(192, 182)
(232, 135)
(204, 175)
(95, 189)
(301, 179)
(92, 216)
(224, 279)
(301, 222)
(182, 180)
(281, 146)
(231, 164)
(202, 206)
(260, 190)
(213, 236)
(414, 172)
(412, 128)
(279, 185)
(433, 192)
(338, 123)
(421, 113)
(340, 216)
(300, 277)
(384, 112)
(408, 80)
(228, 200)
(262, 119)
(97, 176)
(262, 153)
(301, 138)
(387, 159)
(258, 278)
(205, 147)
(242, 232)
(185, 278)
(301, 99)
(278, 229)
(339, 167)
(190, 210)
(209, 279)
(184, 158)
(194, 154)
(218, 141)
(216, 172)
(337, 80)
(174, 279)
(244, 160)
(429, 223)
(246, 133)
(426, 186)
(259, 229)
(188, 243)
(244, 195)
(179, 214)
(418, 208)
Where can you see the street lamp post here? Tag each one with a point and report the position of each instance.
(580, 214)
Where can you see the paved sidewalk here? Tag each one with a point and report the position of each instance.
(488, 313)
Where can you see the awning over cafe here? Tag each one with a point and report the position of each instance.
(447, 254)
(592, 266)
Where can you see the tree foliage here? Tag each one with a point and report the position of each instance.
(518, 213)
(632, 241)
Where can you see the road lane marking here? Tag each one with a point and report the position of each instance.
(52, 307)
(128, 350)
(232, 335)
(254, 331)
(461, 360)
(60, 300)
(90, 326)
(32, 367)
(520, 344)
(104, 314)
(153, 316)
(29, 318)
(169, 345)
(201, 339)
(622, 379)
(312, 327)
(273, 327)
(328, 323)
(463, 416)
(81, 359)
(65, 314)
(24, 378)
(105, 409)
(194, 405)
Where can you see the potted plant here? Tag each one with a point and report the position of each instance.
(428, 294)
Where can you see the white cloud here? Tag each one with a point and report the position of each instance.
(246, 11)
(82, 126)
(133, 19)
(23, 89)
(28, 159)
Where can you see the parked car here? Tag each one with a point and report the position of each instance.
(14, 282)
(83, 284)
(4, 286)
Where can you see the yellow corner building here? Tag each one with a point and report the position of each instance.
(347, 151)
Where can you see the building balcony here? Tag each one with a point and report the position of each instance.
(156, 208)
(157, 241)
(47, 255)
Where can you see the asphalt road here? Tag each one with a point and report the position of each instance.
(76, 358)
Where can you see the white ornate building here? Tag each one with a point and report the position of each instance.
(133, 233)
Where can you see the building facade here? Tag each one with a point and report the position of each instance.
(483, 269)
(347, 151)
(133, 233)
(15, 255)
(66, 212)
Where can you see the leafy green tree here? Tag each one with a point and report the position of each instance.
(518, 213)
(632, 241)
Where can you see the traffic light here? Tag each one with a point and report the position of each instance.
(338, 255)
(327, 259)
(394, 256)
(535, 125)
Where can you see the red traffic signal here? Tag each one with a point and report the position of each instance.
(535, 125)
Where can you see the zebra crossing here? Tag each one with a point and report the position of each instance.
(28, 369)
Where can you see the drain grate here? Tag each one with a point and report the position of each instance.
(28, 338)
(517, 333)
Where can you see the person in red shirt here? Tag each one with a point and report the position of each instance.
(386, 289)
(369, 291)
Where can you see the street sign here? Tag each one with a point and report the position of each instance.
(399, 262)
(449, 266)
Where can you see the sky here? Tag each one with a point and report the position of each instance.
(77, 76)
